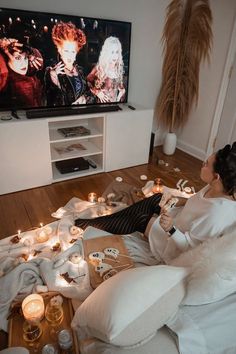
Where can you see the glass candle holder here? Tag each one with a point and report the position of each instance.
(54, 316)
(92, 197)
(43, 234)
(31, 331)
(33, 308)
(31, 334)
(158, 186)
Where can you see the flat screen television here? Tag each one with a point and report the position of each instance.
(62, 61)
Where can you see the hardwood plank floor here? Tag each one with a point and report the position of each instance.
(27, 209)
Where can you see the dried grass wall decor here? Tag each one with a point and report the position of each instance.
(186, 40)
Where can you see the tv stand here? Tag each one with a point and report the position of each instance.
(73, 110)
(30, 148)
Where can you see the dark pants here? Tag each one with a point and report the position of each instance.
(131, 219)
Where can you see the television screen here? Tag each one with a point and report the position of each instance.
(53, 60)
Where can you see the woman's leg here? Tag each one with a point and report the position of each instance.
(128, 220)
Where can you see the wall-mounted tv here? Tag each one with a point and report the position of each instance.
(53, 60)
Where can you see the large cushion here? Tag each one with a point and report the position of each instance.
(212, 276)
(162, 342)
(128, 308)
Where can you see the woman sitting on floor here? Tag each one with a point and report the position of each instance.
(208, 213)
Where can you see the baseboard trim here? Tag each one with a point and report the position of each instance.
(191, 150)
(182, 145)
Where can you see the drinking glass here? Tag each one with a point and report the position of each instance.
(54, 316)
(31, 334)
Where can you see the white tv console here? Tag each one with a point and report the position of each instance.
(29, 148)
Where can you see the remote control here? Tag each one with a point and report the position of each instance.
(92, 163)
(131, 107)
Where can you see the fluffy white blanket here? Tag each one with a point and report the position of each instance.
(50, 265)
(25, 264)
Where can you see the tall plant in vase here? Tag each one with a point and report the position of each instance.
(187, 41)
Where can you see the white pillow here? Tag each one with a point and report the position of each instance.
(212, 276)
(128, 308)
(162, 339)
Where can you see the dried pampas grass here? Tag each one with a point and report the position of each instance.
(187, 40)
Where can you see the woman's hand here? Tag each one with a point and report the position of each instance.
(166, 198)
(35, 62)
(7, 44)
(166, 222)
(59, 68)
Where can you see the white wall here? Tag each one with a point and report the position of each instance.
(147, 17)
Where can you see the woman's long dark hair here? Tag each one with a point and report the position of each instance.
(225, 166)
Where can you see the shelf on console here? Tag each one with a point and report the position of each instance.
(55, 136)
(90, 149)
(57, 176)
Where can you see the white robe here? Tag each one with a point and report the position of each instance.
(201, 218)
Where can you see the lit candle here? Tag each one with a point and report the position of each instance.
(92, 197)
(158, 186)
(33, 308)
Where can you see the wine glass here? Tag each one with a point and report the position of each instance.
(31, 334)
(54, 316)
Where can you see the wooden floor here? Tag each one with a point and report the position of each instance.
(25, 210)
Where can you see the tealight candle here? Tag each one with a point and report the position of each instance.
(43, 234)
(158, 186)
(92, 197)
(33, 308)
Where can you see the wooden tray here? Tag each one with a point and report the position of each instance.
(15, 336)
(98, 244)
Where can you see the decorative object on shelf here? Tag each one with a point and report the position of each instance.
(92, 197)
(33, 308)
(72, 165)
(70, 148)
(74, 131)
(187, 41)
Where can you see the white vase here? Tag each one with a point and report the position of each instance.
(169, 145)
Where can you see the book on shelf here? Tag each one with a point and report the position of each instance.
(70, 148)
(79, 130)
